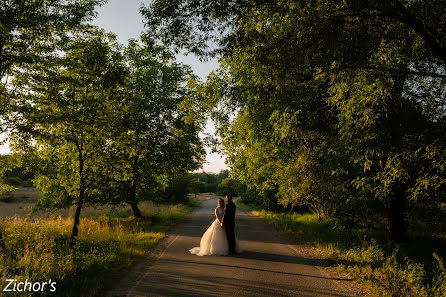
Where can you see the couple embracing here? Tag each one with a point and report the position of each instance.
(219, 239)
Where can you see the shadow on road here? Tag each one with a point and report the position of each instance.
(189, 283)
(219, 265)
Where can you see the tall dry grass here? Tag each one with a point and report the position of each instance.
(39, 247)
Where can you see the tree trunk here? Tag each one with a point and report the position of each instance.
(134, 204)
(77, 214)
(81, 194)
(2, 242)
(395, 217)
(395, 122)
(136, 211)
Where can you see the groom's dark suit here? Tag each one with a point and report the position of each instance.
(229, 224)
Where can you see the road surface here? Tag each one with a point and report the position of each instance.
(270, 265)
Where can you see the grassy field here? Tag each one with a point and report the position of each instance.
(39, 246)
(412, 269)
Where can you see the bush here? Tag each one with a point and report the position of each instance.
(178, 189)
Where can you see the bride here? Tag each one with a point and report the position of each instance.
(214, 241)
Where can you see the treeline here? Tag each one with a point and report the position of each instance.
(95, 122)
(210, 182)
(336, 106)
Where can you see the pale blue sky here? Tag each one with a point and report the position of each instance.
(123, 19)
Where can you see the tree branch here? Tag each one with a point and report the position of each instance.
(385, 69)
(429, 35)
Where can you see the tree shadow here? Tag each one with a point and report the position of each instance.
(283, 259)
(194, 283)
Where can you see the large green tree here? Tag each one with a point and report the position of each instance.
(153, 140)
(31, 31)
(340, 103)
(62, 118)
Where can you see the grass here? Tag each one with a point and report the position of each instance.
(39, 247)
(391, 270)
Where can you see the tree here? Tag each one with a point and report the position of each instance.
(32, 31)
(196, 186)
(62, 118)
(6, 163)
(153, 143)
(340, 103)
(177, 190)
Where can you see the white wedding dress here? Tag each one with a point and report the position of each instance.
(214, 241)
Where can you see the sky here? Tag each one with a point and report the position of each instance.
(123, 19)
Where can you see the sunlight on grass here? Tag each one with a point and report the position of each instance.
(39, 248)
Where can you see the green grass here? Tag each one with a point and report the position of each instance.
(391, 270)
(40, 249)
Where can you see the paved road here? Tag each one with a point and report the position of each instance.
(269, 266)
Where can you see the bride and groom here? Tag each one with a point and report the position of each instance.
(219, 239)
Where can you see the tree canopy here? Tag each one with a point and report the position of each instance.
(339, 105)
(32, 31)
(153, 143)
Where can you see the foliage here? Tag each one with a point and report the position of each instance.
(177, 190)
(18, 176)
(6, 163)
(62, 118)
(226, 187)
(33, 31)
(152, 142)
(102, 125)
(211, 180)
(196, 186)
(337, 105)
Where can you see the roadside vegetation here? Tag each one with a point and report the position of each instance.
(40, 246)
(414, 268)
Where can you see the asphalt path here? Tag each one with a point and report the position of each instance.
(271, 265)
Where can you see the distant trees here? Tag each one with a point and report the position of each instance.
(340, 105)
(208, 182)
(6, 165)
(196, 186)
(227, 187)
(18, 176)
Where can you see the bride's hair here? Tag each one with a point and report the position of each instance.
(221, 202)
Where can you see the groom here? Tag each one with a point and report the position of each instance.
(229, 223)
